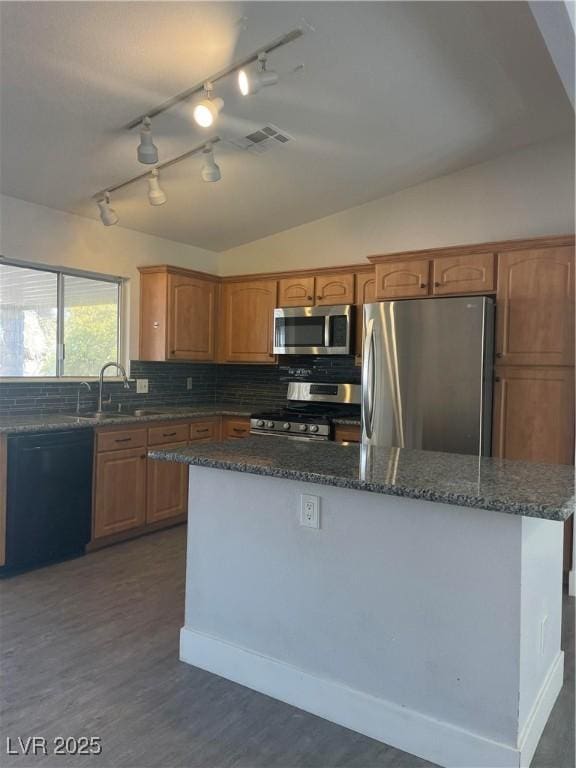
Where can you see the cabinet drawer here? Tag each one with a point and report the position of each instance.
(235, 428)
(203, 430)
(347, 433)
(120, 439)
(169, 433)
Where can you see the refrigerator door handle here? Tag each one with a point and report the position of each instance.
(368, 380)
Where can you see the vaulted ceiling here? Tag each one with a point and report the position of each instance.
(391, 94)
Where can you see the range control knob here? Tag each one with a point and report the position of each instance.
(303, 427)
(260, 423)
(269, 425)
(286, 426)
(313, 428)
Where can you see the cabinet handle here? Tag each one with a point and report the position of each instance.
(498, 354)
(143, 456)
(310, 298)
(239, 429)
(172, 351)
(201, 431)
(423, 285)
(496, 378)
(122, 439)
(437, 285)
(168, 434)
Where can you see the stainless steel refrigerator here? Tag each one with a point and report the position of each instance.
(427, 374)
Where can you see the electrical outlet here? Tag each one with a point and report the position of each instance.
(189, 382)
(142, 386)
(310, 511)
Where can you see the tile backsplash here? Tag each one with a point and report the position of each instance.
(260, 385)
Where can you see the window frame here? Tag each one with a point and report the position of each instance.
(61, 273)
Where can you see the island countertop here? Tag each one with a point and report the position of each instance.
(520, 488)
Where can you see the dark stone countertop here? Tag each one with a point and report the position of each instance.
(519, 488)
(38, 422)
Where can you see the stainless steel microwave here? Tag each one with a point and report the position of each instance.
(313, 330)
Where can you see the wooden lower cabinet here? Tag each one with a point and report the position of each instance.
(120, 491)
(167, 488)
(534, 414)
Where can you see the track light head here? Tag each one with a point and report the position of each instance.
(210, 168)
(147, 150)
(206, 112)
(108, 215)
(250, 83)
(156, 194)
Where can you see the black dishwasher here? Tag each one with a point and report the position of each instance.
(49, 498)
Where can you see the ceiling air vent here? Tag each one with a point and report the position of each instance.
(262, 140)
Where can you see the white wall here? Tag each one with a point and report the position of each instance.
(35, 233)
(524, 194)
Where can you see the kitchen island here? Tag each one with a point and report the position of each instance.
(424, 612)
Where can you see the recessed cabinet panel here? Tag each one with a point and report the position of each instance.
(333, 289)
(120, 497)
(534, 414)
(248, 313)
(296, 292)
(402, 279)
(535, 307)
(473, 273)
(191, 318)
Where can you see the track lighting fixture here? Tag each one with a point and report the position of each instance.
(107, 213)
(147, 150)
(210, 168)
(206, 111)
(251, 82)
(156, 194)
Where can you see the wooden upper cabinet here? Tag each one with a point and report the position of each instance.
(177, 314)
(247, 314)
(296, 291)
(191, 318)
(402, 279)
(535, 307)
(534, 414)
(335, 289)
(472, 273)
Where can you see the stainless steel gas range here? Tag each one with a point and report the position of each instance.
(310, 411)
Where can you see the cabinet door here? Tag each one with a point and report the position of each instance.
(120, 491)
(463, 274)
(248, 314)
(191, 314)
(534, 414)
(402, 279)
(167, 488)
(347, 433)
(335, 289)
(296, 292)
(365, 294)
(535, 307)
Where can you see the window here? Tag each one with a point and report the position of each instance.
(56, 322)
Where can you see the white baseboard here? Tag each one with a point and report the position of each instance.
(540, 711)
(408, 730)
(572, 583)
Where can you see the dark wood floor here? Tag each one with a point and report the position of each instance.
(90, 647)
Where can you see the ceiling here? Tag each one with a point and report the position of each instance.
(391, 94)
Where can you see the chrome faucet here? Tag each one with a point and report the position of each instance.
(101, 384)
(82, 384)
